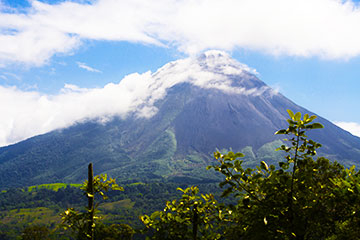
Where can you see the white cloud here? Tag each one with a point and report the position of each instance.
(87, 68)
(324, 28)
(72, 88)
(352, 127)
(30, 113)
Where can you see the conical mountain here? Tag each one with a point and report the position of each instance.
(190, 108)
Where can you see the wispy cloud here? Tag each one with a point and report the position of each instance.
(29, 113)
(325, 28)
(10, 76)
(352, 127)
(87, 68)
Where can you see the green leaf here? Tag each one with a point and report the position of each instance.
(297, 116)
(264, 166)
(155, 215)
(306, 117)
(291, 114)
(317, 125)
(217, 155)
(282, 131)
(231, 155)
(312, 118)
(239, 155)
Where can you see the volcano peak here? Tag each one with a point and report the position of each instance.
(221, 62)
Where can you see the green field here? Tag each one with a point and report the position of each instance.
(54, 186)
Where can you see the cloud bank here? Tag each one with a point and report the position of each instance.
(27, 114)
(352, 127)
(323, 28)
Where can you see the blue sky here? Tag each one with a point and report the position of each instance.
(308, 50)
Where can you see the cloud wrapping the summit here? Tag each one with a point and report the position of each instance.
(27, 114)
(323, 28)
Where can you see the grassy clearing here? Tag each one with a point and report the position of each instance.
(40, 216)
(125, 203)
(53, 186)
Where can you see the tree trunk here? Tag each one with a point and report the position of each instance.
(90, 195)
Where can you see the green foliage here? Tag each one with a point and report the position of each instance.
(347, 190)
(80, 222)
(40, 197)
(190, 217)
(35, 232)
(101, 185)
(19, 208)
(113, 232)
(295, 201)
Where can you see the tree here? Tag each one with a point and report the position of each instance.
(191, 217)
(83, 223)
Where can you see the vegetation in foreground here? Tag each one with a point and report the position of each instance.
(303, 198)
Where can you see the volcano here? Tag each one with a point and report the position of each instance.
(191, 108)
